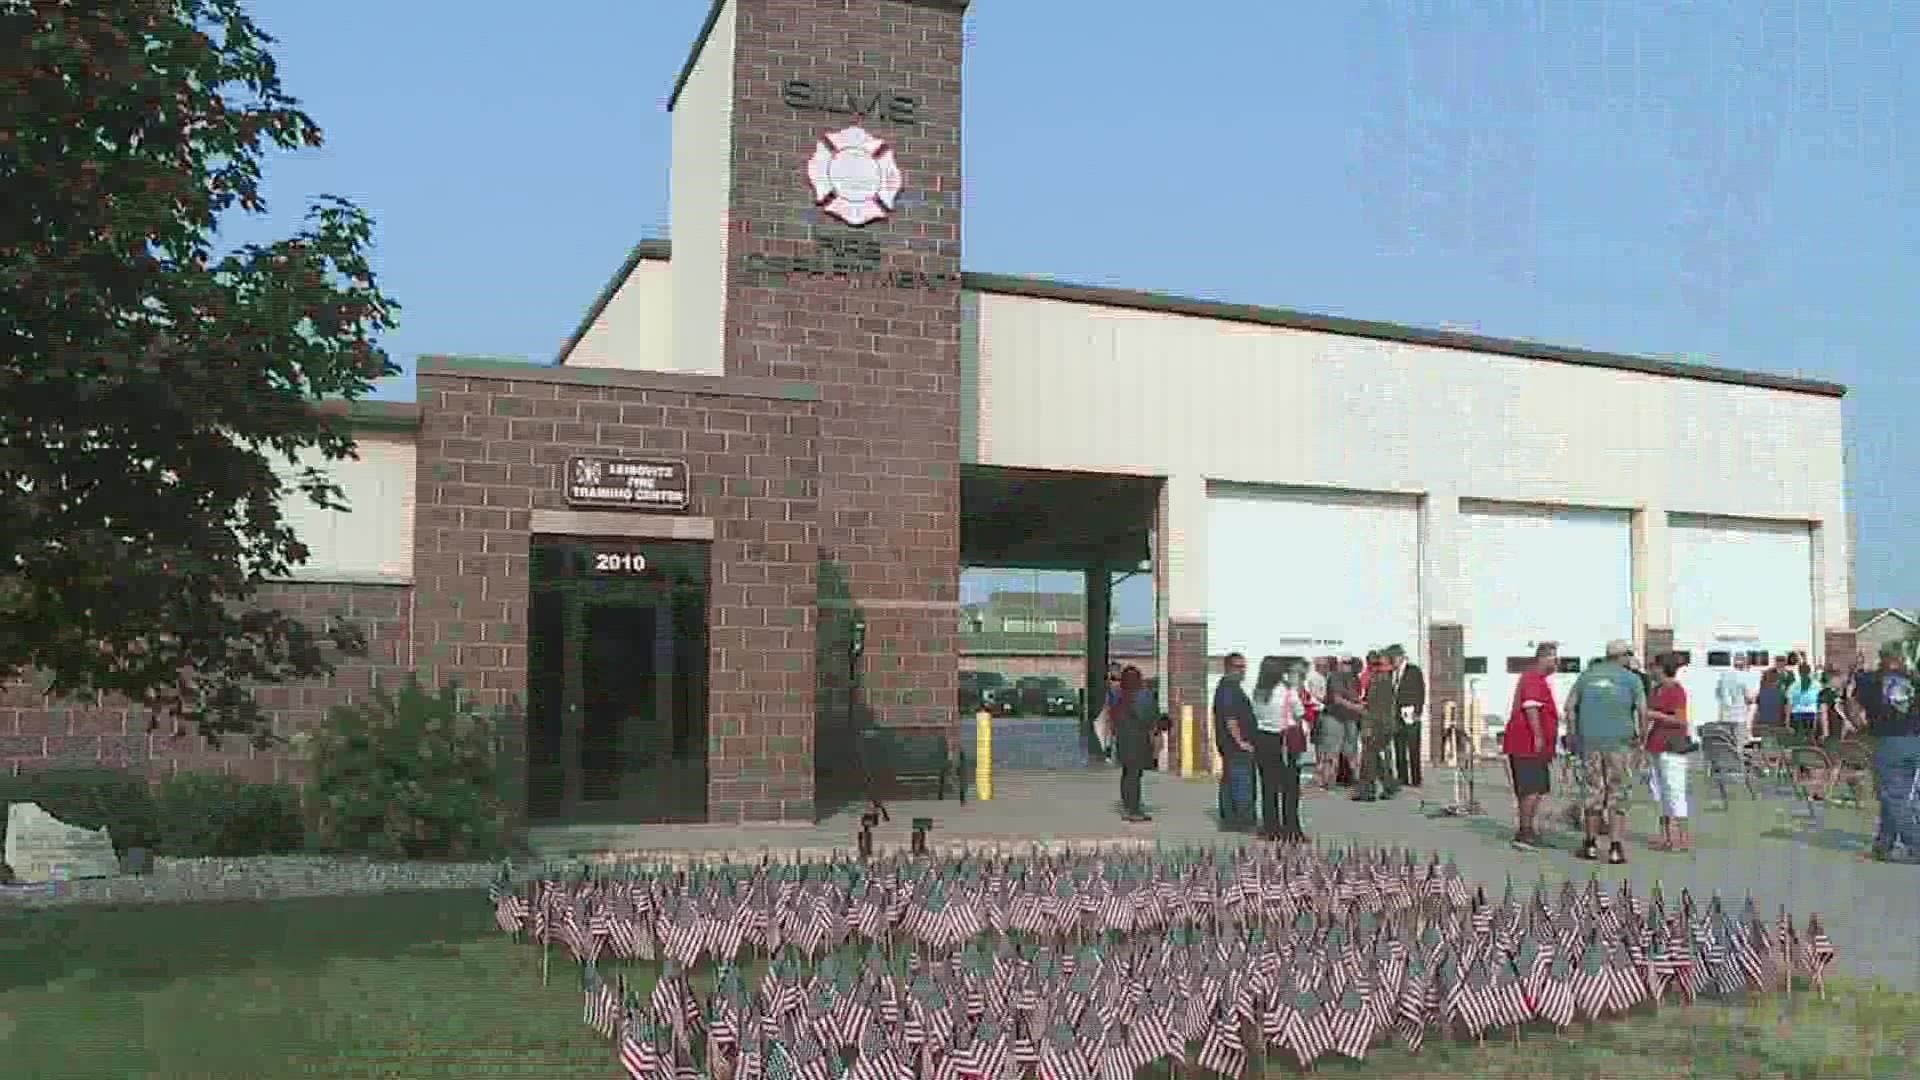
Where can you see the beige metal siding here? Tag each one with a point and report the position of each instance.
(634, 330)
(1080, 386)
(374, 540)
(701, 183)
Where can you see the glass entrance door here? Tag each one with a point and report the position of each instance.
(618, 688)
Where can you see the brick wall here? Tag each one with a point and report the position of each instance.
(1069, 666)
(492, 450)
(1841, 648)
(1186, 683)
(36, 733)
(1657, 640)
(886, 359)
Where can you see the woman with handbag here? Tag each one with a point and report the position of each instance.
(1135, 718)
(1668, 744)
(1279, 738)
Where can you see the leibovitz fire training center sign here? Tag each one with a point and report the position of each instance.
(627, 484)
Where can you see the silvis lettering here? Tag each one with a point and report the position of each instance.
(890, 108)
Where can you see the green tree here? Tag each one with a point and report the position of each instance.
(149, 383)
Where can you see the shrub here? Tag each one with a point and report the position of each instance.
(408, 774)
(91, 797)
(207, 814)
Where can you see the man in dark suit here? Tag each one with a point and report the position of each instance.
(1410, 696)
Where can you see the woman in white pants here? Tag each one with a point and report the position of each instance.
(1667, 719)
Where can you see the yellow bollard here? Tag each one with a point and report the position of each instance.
(1189, 752)
(983, 755)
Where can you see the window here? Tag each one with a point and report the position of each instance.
(1569, 665)
(1040, 626)
(1518, 665)
(1719, 659)
(1759, 658)
(1476, 665)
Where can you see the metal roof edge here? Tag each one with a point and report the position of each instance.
(1133, 299)
(644, 250)
(375, 414)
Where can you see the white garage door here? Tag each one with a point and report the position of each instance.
(1311, 574)
(1539, 574)
(1736, 587)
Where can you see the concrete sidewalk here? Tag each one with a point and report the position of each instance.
(1764, 848)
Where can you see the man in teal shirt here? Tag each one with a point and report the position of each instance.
(1604, 710)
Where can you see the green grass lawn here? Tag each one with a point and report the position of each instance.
(424, 985)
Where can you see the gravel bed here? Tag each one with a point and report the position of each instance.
(268, 877)
(262, 877)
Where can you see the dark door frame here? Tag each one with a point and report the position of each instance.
(565, 567)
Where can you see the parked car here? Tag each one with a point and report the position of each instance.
(985, 690)
(1046, 695)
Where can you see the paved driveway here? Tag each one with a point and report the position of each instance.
(1760, 847)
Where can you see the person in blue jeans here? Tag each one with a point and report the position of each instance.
(1893, 719)
(1233, 735)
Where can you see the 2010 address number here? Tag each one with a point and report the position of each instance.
(619, 562)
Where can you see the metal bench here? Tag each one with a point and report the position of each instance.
(894, 758)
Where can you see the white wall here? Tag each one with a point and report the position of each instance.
(1739, 586)
(1307, 574)
(701, 183)
(1078, 386)
(1542, 574)
(634, 329)
(373, 542)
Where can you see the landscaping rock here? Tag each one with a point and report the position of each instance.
(41, 847)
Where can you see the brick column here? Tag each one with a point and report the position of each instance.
(1186, 680)
(882, 343)
(1839, 646)
(1446, 682)
(1658, 640)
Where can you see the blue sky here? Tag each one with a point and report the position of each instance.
(1729, 181)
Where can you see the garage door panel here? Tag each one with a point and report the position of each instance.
(1736, 587)
(1311, 573)
(1542, 574)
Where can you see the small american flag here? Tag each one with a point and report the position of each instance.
(1222, 1051)
(1412, 1011)
(1553, 993)
(509, 910)
(1820, 952)
(1351, 1025)
(638, 1056)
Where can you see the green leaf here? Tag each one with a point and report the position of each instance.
(161, 393)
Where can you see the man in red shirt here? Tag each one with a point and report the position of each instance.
(1533, 729)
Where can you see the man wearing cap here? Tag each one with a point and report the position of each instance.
(1603, 711)
(1886, 698)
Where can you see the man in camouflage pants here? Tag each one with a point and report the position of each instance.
(1379, 722)
(1603, 711)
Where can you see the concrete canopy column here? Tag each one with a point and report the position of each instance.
(1099, 589)
(1652, 580)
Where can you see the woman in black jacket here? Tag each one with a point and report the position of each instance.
(1133, 733)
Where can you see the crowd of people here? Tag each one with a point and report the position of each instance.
(1357, 722)
(1627, 725)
